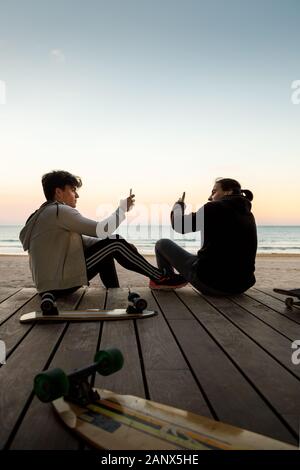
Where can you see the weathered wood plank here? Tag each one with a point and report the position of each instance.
(160, 350)
(9, 306)
(17, 374)
(12, 331)
(276, 385)
(272, 341)
(169, 378)
(229, 393)
(277, 305)
(267, 315)
(76, 350)
(275, 295)
(121, 335)
(177, 388)
(6, 292)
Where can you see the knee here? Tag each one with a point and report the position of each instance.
(163, 244)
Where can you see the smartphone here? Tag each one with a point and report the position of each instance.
(183, 196)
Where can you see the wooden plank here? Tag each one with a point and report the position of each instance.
(229, 393)
(121, 335)
(272, 341)
(272, 302)
(9, 306)
(268, 316)
(275, 295)
(160, 350)
(276, 385)
(76, 350)
(6, 292)
(16, 376)
(169, 378)
(12, 332)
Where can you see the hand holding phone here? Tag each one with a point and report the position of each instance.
(130, 200)
(182, 198)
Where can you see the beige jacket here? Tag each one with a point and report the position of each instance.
(53, 238)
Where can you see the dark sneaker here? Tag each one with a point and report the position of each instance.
(168, 282)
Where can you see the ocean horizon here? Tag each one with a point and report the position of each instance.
(284, 239)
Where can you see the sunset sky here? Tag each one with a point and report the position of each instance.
(161, 96)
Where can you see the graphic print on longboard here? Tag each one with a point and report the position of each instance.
(136, 309)
(110, 421)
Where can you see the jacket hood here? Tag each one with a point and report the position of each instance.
(239, 203)
(25, 234)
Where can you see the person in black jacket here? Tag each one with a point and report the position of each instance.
(225, 264)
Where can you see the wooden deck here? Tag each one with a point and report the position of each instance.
(226, 358)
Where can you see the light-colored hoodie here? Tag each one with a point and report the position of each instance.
(53, 237)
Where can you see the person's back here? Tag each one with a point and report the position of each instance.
(56, 255)
(227, 257)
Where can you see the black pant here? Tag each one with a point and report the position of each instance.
(100, 260)
(169, 255)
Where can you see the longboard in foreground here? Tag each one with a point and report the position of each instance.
(49, 312)
(289, 301)
(110, 421)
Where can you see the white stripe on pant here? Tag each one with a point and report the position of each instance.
(123, 248)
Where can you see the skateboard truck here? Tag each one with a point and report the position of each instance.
(75, 387)
(49, 307)
(138, 305)
(48, 304)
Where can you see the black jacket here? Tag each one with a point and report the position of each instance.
(226, 260)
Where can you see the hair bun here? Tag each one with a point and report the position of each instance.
(248, 194)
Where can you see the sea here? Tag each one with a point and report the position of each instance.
(271, 238)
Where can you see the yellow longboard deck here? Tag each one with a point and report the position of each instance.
(86, 315)
(125, 422)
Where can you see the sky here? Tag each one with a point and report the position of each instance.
(161, 96)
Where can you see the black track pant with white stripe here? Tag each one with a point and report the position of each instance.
(100, 260)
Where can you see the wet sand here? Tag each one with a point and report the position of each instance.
(274, 270)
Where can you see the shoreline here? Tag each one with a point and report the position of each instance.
(271, 270)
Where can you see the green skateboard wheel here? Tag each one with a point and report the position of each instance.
(50, 385)
(109, 361)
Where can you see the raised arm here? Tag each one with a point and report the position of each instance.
(72, 220)
(182, 223)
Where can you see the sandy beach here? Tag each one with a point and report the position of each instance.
(274, 270)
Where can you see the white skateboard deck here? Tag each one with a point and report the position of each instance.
(86, 315)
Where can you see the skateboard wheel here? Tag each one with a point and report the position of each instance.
(109, 361)
(132, 296)
(48, 305)
(139, 304)
(50, 385)
(289, 302)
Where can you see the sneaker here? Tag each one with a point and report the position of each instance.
(168, 282)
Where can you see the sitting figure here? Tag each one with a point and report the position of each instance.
(66, 250)
(226, 262)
